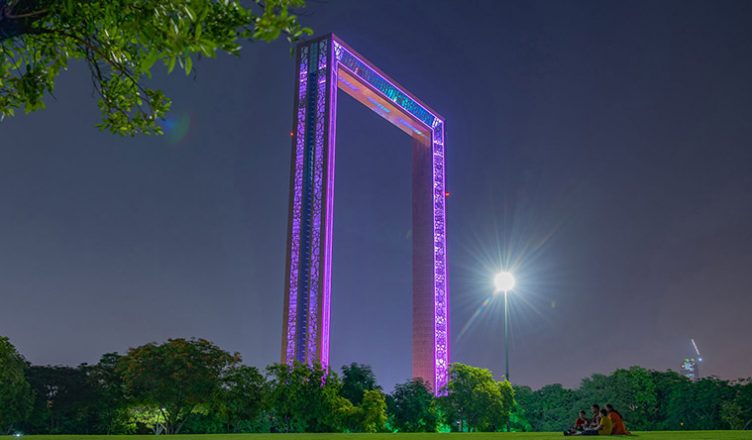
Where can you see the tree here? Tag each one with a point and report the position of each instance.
(526, 411)
(204, 420)
(518, 421)
(743, 400)
(373, 411)
(697, 405)
(474, 401)
(632, 391)
(732, 414)
(110, 404)
(356, 380)
(412, 407)
(121, 40)
(78, 400)
(176, 377)
(593, 390)
(306, 398)
(15, 391)
(240, 405)
(65, 400)
(145, 420)
(666, 382)
(243, 399)
(507, 401)
(551, 408)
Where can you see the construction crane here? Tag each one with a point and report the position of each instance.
(697, 350)
(698, 359)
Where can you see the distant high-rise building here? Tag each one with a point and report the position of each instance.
(691, 365)
(690, 368)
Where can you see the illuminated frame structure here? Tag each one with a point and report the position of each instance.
(324, 65)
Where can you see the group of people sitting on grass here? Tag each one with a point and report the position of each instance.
(606, 421)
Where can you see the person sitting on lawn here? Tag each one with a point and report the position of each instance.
(617, 421)
(580, 424)
(603, 427)
(596, 409)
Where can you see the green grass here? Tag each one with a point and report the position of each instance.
(661, 435)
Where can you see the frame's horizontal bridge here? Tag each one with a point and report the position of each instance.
(386, 109)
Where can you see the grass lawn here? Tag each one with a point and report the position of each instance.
(662, 435)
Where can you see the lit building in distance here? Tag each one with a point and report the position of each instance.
(691, 365)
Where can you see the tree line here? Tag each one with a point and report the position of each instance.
(193, 386)
(648, 400)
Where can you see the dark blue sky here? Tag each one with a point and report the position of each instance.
(602, 148)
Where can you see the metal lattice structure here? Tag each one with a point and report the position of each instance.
(325, 65)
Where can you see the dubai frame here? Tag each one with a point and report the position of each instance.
(324, 65)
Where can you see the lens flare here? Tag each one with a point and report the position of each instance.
(176, 127)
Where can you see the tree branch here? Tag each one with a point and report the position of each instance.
(26, 14)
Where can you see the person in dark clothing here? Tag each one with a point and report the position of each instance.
(580, 424)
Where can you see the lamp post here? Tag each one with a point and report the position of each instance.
(504, 282)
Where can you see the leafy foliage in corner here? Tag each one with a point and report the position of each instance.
(121, 41)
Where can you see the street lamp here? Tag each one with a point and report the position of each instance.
(504, 282)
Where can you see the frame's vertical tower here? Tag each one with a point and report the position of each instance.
(323, 65)
(423, 299)
(306, 334)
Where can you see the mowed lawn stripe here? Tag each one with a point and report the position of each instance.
(656, 435)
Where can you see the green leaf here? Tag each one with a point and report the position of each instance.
(171, 65)
(190, 13)
(148, 61)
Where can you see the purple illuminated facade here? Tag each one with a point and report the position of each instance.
(324, 65)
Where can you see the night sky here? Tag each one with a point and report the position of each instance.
(603, 150)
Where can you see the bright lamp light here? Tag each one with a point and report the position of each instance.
(504, 281)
